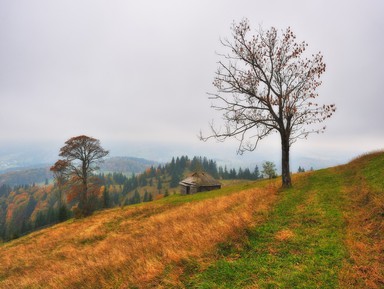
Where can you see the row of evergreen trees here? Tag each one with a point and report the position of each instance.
(173, 172)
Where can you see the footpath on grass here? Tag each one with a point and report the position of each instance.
(325, 232)
(300, 246)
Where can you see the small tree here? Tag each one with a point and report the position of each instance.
(300, 170)
(106, 197)
(256, 173)
(136, 198)
(81, 155)
(146, 196)
(269, 170)
(266, 84)
(159, 184)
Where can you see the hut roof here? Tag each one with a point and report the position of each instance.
(200, 179)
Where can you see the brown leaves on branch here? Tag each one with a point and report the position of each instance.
(276, 79)
(59, 166)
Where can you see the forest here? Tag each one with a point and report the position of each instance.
(29, 207)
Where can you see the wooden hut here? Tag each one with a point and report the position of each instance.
(198, 182)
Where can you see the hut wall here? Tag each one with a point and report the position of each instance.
(183, 190)
(208, 188)
(193, 190)
(188, 189)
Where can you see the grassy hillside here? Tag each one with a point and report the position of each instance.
(26, 208)
(326, 232)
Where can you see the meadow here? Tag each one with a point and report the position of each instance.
(325, 232)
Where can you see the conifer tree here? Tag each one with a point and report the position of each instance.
(256, 173)
(106, 197)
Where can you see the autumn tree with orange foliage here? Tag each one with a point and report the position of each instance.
(80, 155)
(59, 174)
(266, 84)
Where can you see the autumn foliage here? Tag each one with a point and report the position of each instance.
(80, 157)
(132, 247)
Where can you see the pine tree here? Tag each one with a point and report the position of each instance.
(247, 174)
(106, 197)
(175, 179)
(136, 199)
(146, 196)
(256, 173)
(63, 213)
(41, 220)
(232, 174)
(159, 184)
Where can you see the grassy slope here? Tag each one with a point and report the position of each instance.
(326, 232)
(148, 245)
(364, 213)
(300, 246)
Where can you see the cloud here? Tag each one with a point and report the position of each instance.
(140, 70)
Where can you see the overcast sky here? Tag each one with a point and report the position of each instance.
(131, 72)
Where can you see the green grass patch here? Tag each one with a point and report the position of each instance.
(374, 172)
(300, 245)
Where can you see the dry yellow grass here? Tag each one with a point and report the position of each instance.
(364, 238)
(127, 247)
(365, 224)
(284, 235)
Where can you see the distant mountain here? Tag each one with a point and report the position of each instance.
(25, 176)
(126, 165)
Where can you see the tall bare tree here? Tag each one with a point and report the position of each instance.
(81, 155)
(265, 84)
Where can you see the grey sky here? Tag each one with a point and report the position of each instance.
(138, 71)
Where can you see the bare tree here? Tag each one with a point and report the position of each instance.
(265, 84)
(81, 155)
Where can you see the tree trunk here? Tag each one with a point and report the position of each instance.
(83, 202)
(285, 172)
(83, 197)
